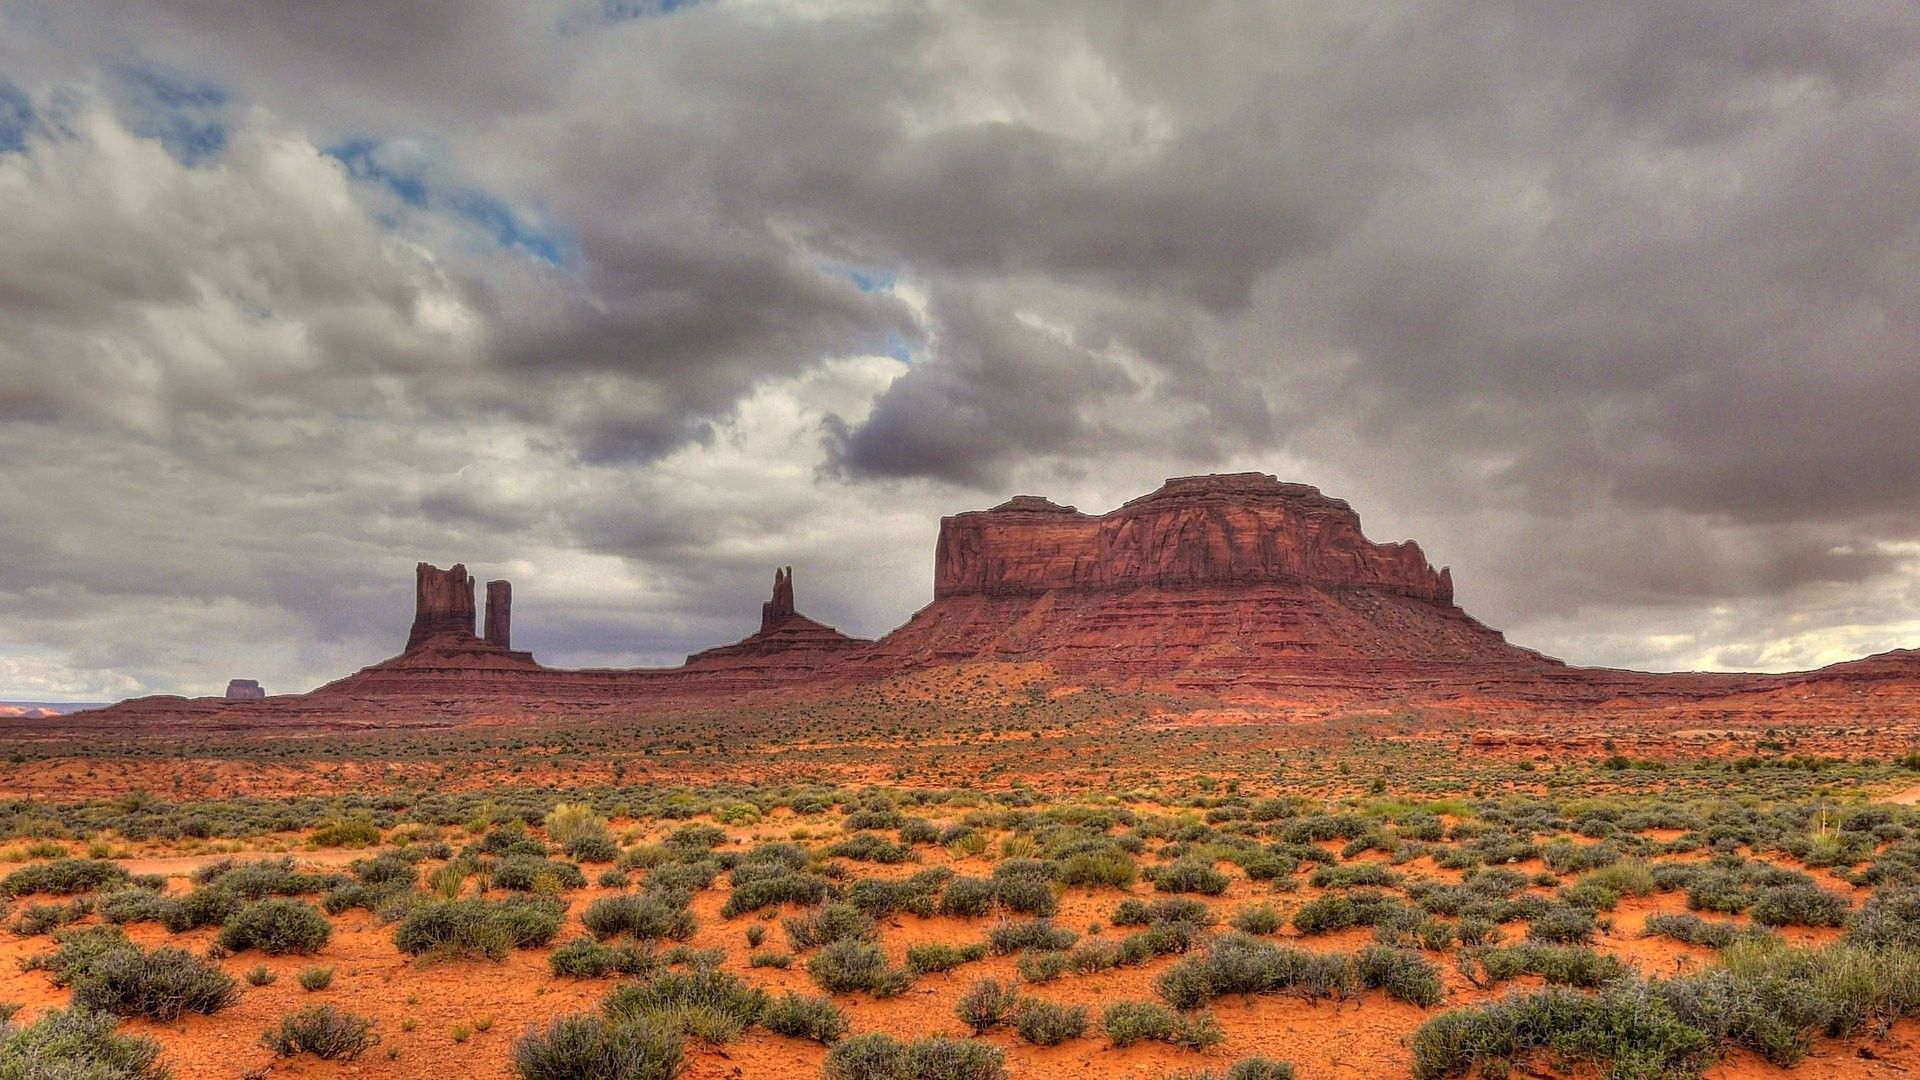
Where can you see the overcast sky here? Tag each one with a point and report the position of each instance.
(1614, 306)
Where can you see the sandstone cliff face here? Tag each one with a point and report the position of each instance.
(1242, 528)
(500, 614)
(443, 603)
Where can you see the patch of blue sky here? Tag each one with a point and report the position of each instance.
(185, 114)
(898, 348)
(16, 117)
(865, 278)
(498, 221)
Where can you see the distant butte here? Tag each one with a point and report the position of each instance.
(1239, 586)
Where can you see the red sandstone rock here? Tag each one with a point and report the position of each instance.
(1195, 531)
(443, 603)
(245, 690)
(1239, 586)
(500, 614)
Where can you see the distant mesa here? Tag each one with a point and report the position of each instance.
(245, 690)
(1237, 585)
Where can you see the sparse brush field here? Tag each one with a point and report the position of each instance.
(1179, 901)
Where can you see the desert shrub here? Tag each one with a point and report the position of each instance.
(36, 919)
(1691, 929)
(587, 1047)
(934, 957)
(315, 978)
(261, 975)
(1129, 1022)
(1109, 867)
(1563, 924)
(713, 1004)
(645, 917)
(261, 878)
(1047, 1023)
(1339, 911)
(883, 898)
(1402, 973)
(1257, 919)
(586, 958)
(355, 894)
(209, 906)
(593, 848)
(159, 985)
(1567, 965)
(754, 894)
(882, 1057)
(1889, 918)
(851, 964)
(1008, 936)
(967, 897)
(77, 1044)
(346, 833)
(869, 847)
(1634, 1033)
(919, 831)
(827, 924)
(478, 928)
(1027, 895)
(522, 873)
(386, 868)
(568, 822)
(1800, 904)
(986, 1004)
(1041, 967)
(1097, 954)
(1173, 909)
(1238, 964)
(1353, 874)
(64, 877)
(799, 1017)
(138, 905)
(276, 926)
(323, 1031)
(1188, 875)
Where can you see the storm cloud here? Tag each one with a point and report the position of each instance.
(1615, 307)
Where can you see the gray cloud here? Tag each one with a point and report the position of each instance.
(1611, 306)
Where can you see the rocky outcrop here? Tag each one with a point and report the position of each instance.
(442, 603)
(786, 640)
(1195, 531)
(245, 690)
(778, 609)
(500, 614)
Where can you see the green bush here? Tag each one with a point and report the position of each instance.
(967, 897)
(276, 926)
(805, 1018)
(1007, 936)
(986, 1004)
(589, 1047)
(346, 833)
(1800, 904)
(315, 979)
(827, 924)
(1109, 867)
(882, 1057)
(159, 985)
(1566, 965)
(323, 1031)
(64, 877)
(586, 958)
(715, 1005)
(645, 917)
(850, 964)
(478, 928)
(77, 1044)
(1047, 1023)
(1257, 919)
(1188, 875)
(936, 957)
(522, 873)
(1129, 1022)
